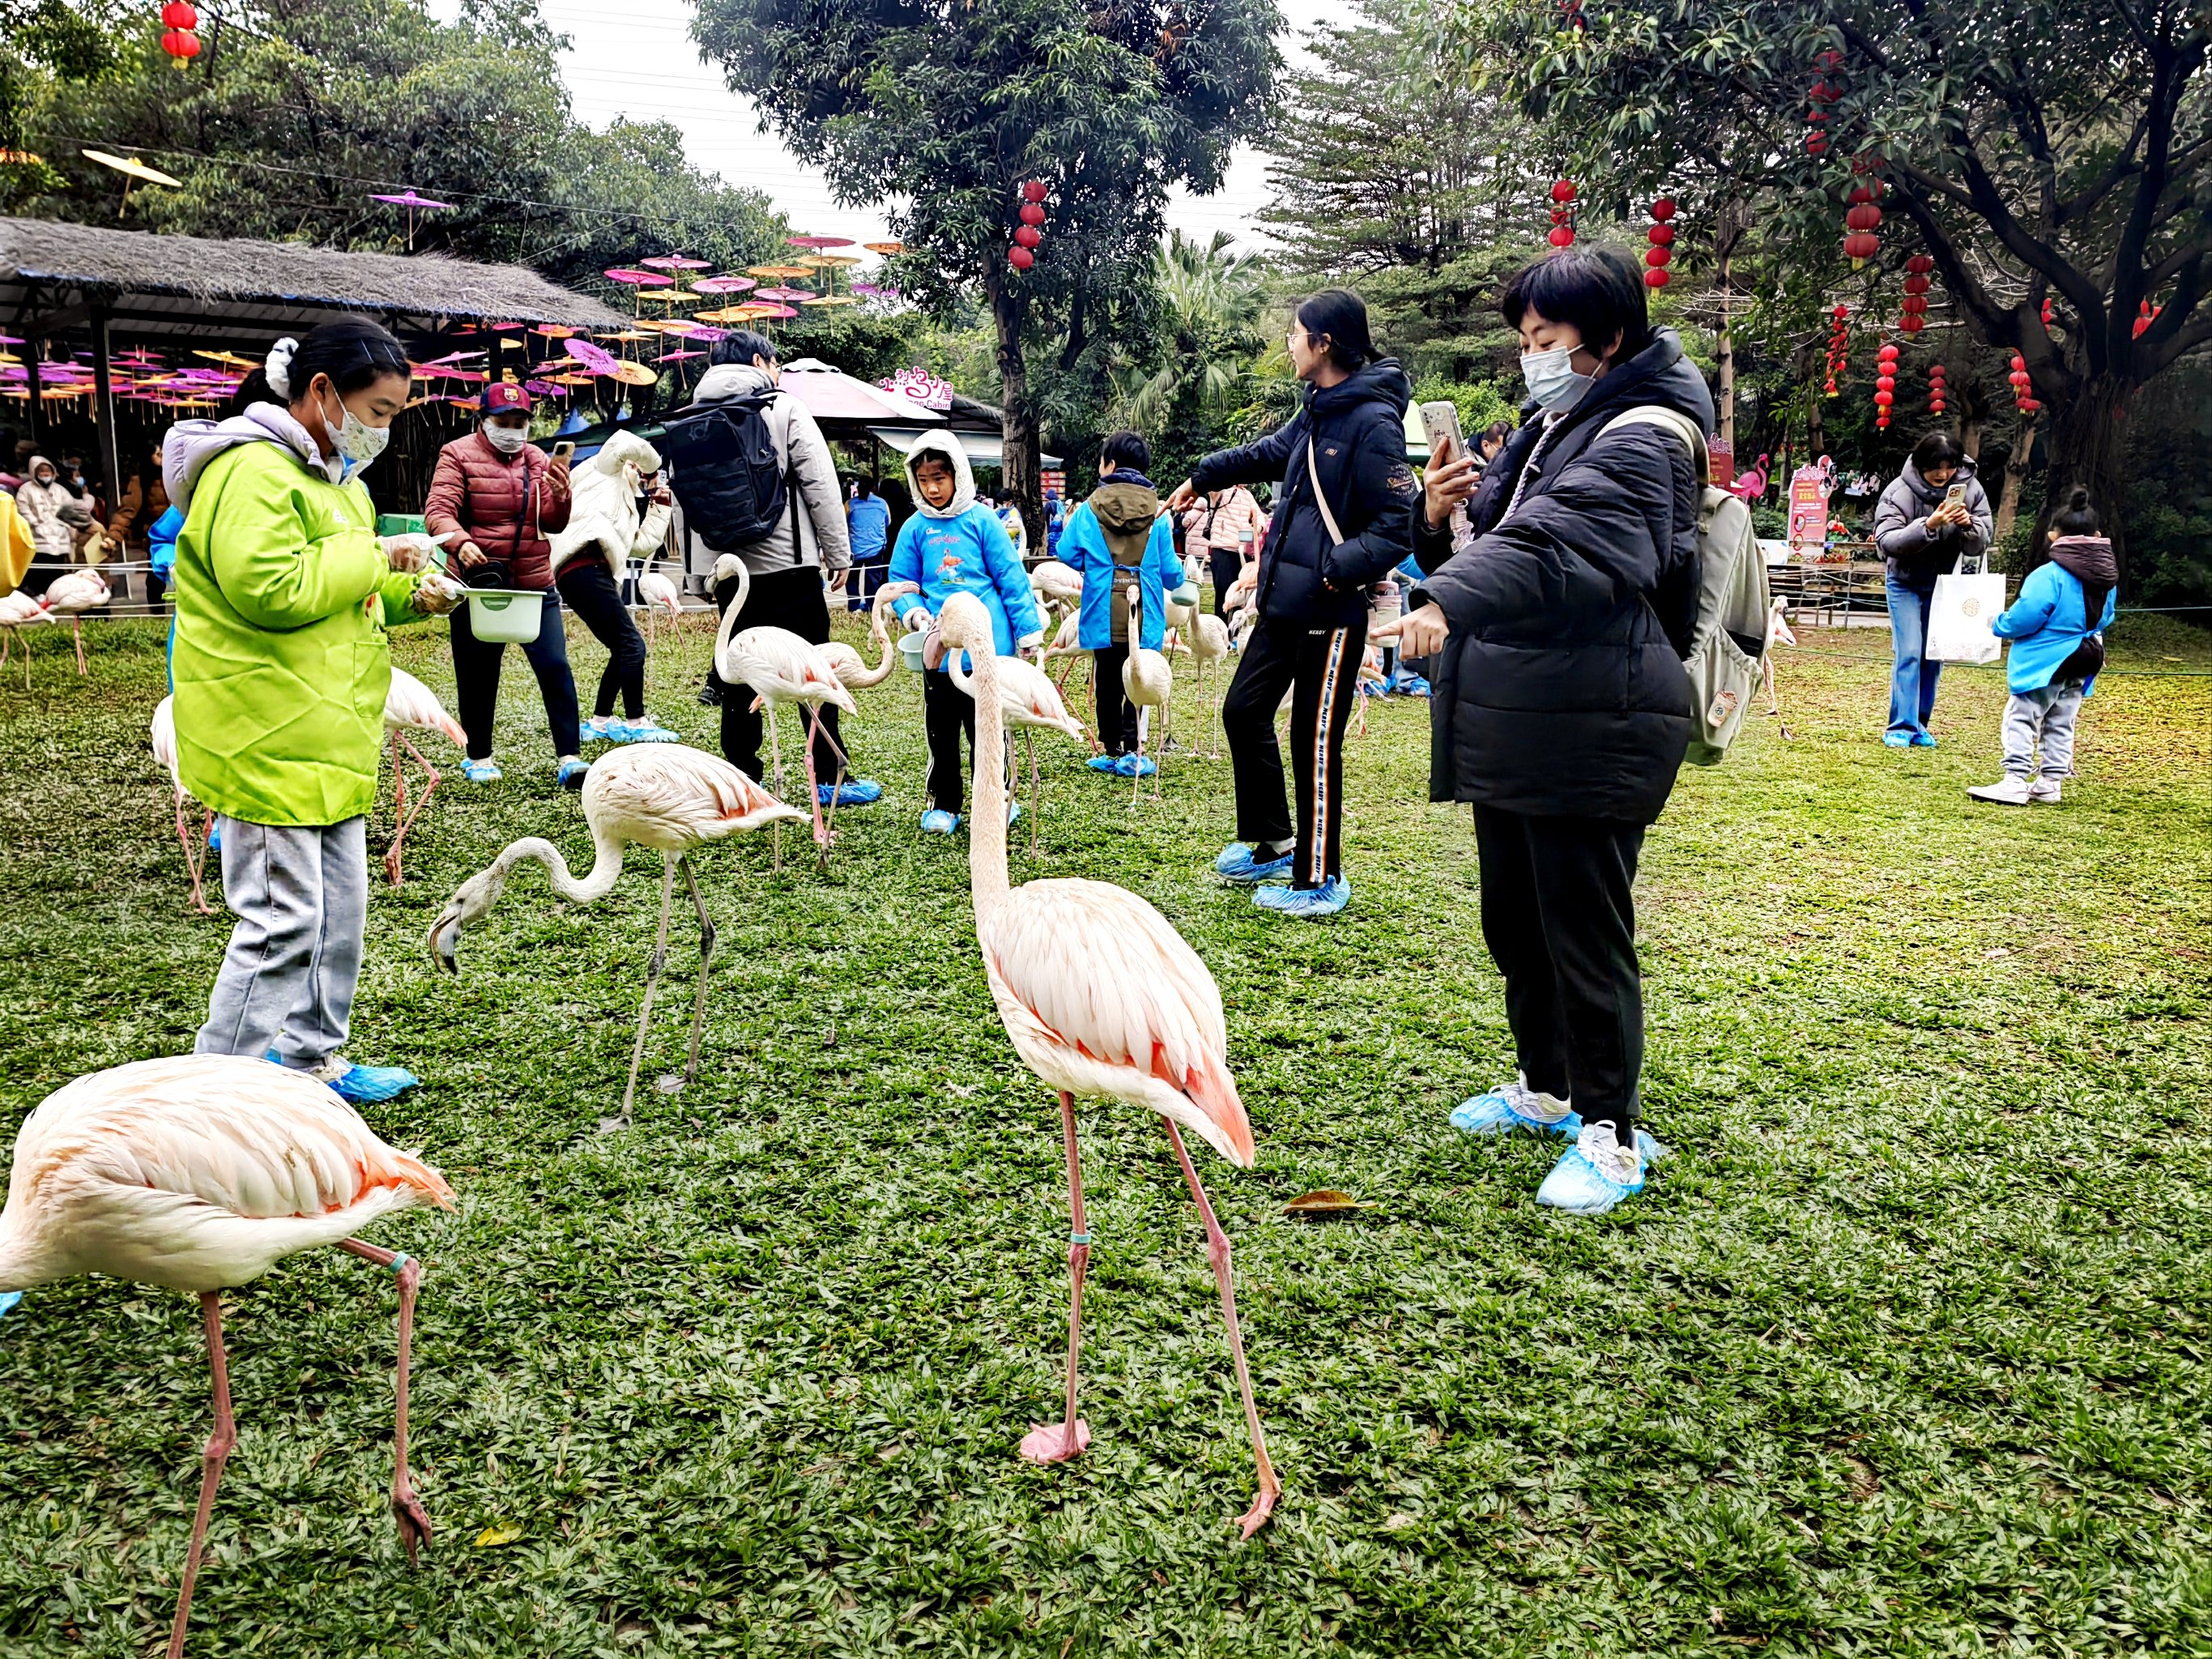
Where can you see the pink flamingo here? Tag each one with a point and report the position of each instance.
(1028, 699)
(778, 667)
(19, 611)
(409, 705)
(849, 664)
(162, 734)
(73, 594)
(661, 795)
(199, 1173)
(1101, 998)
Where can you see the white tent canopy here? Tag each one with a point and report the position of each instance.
(984, 448)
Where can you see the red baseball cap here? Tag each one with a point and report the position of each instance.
(504, 398)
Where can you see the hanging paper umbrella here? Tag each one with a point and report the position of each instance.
(133, 171)
(592, 357)
(629, 334)
(885, 248)
(726, 314)
(678, 356)
(784, 293)
(778, 273)
(708, 336)
(411, 201)
(725, 285)
(633, 277)
(830, 300)
(553, 330)
(634, 374)
(675, 262)
(819, 241)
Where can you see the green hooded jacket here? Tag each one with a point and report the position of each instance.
(283, 593)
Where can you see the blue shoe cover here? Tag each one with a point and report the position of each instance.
(1579, 1187)
(364, 1083)
(938, 822)
(1510, 1109)
(1105, 762)
(1241, 863)
(1308, 903)
(854, 792)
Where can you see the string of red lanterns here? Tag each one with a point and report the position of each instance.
(1914, 306)
(1839, 346)
(1662, 238)
(2023, 384)
(1824, 92)
(1030, 234)
(179, 20)
(1862, 216)
(1563, 213)
(1885, 384)
(1936, 390)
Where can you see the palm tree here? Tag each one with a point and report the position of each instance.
(1210, 298)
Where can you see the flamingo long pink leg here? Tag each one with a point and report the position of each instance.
(705, 963)
(1055, 1443)
(404, 817)
(211, 1462)
(652, 983)
(406, 1508)
(814, 798)
(1217, 1251)
(193, 858)
(77, 626)
(1029, 742)
(826, 828)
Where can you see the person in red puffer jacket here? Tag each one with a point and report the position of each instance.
(494, 499)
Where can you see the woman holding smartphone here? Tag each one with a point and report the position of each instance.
(1933, 514)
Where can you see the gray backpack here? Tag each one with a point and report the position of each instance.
(1729, 645)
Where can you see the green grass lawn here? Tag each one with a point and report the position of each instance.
(1904, 1351)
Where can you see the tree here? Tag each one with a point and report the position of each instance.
(942, 108)
(2046, 150)
(1209, 297)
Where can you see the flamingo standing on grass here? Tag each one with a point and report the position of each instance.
(19, 611)
(1149, 682)
(849, 664)
(161, 732)
(1057, 585)
(1209, 649)
(657, 593)
(409, 705)
(72, 595)
(1027, 698)
(199, 1173)
(661, 795)
(1102, 998)
(778, 667)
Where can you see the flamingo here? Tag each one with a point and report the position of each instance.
(662, 795)
(1057, 585)
(162, 734)
(1209, 648)
(19, 611)
(73, 594)
(1149, 682)
(1180, 615)
(409, 705)
(199, 1173)
(1028, 698)
(1101, 998)
(849, 664)
(778, 667)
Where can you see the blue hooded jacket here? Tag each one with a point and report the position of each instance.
(961, 548)
(2050, 616)
(1129, 502)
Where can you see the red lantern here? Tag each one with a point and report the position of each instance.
(1032, 214)
(181, 44)
(1663, 208)
(1815, 144)
(1889, 352)
(1033, 191)
(1884, 399)
(1657, 257)
(1913, 304)
(1028, 236)
(179, 16)
(1915, 285)
(1920, 264)
(2047, 313)
(1656, 278)
(1840, 313)
(1913, 325)
(1862, 246)
(1020, 258)
(1563, 191)
(1560, 236)
(1660, 235)
(1824, 92)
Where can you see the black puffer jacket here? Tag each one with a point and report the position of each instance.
(1560, 691)
(1307, 577)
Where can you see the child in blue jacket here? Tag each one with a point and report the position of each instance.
(955, 544)
(1117, 540)
(2057, 650)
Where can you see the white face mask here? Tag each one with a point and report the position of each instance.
(507, 440)
(1553, 381)
(356, 441)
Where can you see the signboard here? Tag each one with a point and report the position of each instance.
(1809, 511)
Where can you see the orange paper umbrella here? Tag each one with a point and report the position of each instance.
(778, 273)
(634, 374)
(884, 248)
(830, 300)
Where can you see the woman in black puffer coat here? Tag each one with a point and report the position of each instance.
(1557, 629)
(1314, 585)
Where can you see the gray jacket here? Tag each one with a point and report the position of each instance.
(820, 537)
(1901, 526)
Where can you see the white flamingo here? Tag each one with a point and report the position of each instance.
(1102, 998)
(1209, 649)
(778, 667)
(1027, 698)
(1179, 614)
(73, 594)
(661, 795)
(1149, 682)
(1778, 632)
(162, 734)
(199, 1173)
(849, 664)
(1057, 585)
(19, 611)
(657, 593)
(411, 706)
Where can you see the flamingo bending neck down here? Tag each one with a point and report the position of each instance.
(1101, 998)
(19, 611)
(849, 665)
(661, 795)
(162, 734)
(1209, 648)
(778, 667)
(1149, 682)
(409, 705)
(1028, 699)
(199, 1173)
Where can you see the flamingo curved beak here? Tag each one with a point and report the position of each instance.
(934, 648)
(446, 941)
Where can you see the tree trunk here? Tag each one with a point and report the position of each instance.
(1724, 342)
(2086, 439)
(2015, 476)
(1017, 429)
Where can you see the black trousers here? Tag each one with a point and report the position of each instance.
(947, 714)
(1117, 715)
(475, 679)
(1321, 670)
(588, 587)
(1559, 918)
(1228, 563)
(783, 599)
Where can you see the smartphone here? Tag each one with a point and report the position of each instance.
(564, 449)
(1440, 421)
(1955, 495)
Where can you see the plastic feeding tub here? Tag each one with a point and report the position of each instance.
(506, 616)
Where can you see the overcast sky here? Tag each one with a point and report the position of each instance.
(635, 58)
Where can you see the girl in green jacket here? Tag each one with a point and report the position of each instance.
(283, 594)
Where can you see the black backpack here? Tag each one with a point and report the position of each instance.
(724, 469)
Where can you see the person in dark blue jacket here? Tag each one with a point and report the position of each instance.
(1313, 585)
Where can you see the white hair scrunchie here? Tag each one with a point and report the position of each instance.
(278, 368)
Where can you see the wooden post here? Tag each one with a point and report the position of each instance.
(34, 347)
(103, 402)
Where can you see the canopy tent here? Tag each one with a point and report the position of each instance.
(835, 398)
(984, 448)
(59, 279)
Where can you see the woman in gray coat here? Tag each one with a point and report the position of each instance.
(1923, 530)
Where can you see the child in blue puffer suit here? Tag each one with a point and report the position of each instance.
(2057, 650)
(955, 544)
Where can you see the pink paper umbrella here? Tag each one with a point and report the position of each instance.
(410, 200)
(591, 357)
(677, 262)
(702, 332)
(785, 293)
(780, 311)
(636, 277)
(678, 356)
(725, 285)
(819, 241)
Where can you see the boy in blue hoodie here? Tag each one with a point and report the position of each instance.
(1118, 540)
(2057, 650)
(955, 544)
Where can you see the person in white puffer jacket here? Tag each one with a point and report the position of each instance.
(606, 530)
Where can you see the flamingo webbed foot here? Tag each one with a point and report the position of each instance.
(1262, 1507)
(1057, 1442)
(414, 1522)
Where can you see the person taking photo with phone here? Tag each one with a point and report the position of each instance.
(1933, 514)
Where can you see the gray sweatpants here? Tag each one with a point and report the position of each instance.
(2048, 712)
(300, 896)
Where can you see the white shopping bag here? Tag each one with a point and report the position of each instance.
(1959, 618)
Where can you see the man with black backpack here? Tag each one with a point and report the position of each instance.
(757, 483)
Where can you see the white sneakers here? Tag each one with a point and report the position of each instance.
(2010, 791)
(2044, 792)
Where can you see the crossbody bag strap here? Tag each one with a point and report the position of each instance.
(1321, 498)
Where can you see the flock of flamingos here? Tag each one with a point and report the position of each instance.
(199, 1173)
